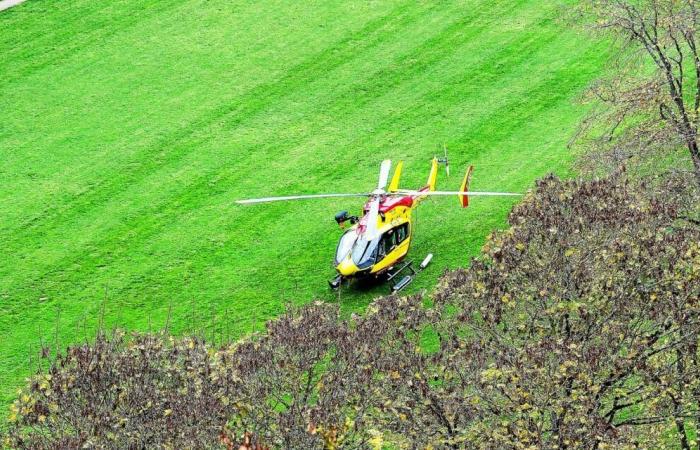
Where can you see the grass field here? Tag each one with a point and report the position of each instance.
(128, 128)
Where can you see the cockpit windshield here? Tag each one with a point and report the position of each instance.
(345, 245)
(364, 252)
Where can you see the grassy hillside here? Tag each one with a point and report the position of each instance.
(128, 128)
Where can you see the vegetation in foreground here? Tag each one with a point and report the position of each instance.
(130, 127)
(578, 327)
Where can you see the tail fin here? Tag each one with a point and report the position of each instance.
(394, 185)
(463, 196)
(432, 177)
(434, 169)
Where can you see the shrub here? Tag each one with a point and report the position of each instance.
(578, 327)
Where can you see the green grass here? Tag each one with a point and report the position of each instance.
(127, 130)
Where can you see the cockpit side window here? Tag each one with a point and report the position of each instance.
(401, 233)
(392, 238)
(386, 244)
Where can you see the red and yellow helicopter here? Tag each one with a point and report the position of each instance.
(378, 240)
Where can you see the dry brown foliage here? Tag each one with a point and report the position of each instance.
(578, 327)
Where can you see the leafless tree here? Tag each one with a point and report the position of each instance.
(648, 109)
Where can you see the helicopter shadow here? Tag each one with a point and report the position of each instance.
(367, 285)
(356, 295)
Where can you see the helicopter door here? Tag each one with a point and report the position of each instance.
(389, 242)
(401, 233)
(392, 239)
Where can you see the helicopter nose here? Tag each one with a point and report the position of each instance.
(346, 268)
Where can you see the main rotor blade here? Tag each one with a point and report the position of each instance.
(384, 174)
(371, 221)
(467, 193)
(295, 197)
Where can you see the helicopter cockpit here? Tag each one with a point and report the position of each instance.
(365, 252)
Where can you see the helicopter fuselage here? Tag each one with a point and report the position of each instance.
(358, 255)
(381, 236)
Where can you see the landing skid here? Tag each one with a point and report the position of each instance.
(404, 281)
(398, 276)
(399, 282)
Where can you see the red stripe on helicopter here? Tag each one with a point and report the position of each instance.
(393, 202)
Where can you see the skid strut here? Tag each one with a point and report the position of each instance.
(335, 282)
(399, 283)
(404, 281)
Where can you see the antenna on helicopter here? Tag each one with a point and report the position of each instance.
(445, 161)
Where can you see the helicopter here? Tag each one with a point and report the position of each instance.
(378, 240)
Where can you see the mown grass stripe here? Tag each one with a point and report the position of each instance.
(153, 223)
(387, 80)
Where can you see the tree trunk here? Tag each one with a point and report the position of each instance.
(680, 422)
(682, 436)
(695, 156)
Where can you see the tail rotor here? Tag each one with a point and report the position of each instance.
(444, 160)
